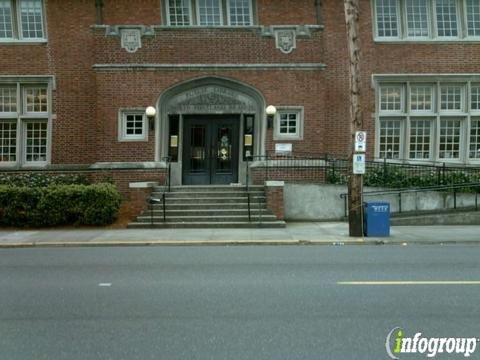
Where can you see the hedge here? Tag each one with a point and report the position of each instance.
(41, 180)
(58, 205)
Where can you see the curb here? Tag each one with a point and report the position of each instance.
(229, 243)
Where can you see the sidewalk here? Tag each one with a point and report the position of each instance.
(315, 233)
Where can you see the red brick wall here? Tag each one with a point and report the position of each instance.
(86, 101)
(274, 198)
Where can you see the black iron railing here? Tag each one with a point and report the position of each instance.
(454, 189)
(166, 188)
(327, 169)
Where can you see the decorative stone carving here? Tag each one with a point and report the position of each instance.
(211, 99)
(286, 35)
(131, 39)
(130, 35)
(286, 40)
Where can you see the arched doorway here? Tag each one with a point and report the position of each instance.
(209, 127)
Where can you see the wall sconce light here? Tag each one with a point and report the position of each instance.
(271, 112)
(151, 112)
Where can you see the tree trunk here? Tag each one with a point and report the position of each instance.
(355, 185)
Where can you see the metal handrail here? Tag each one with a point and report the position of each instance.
(452, 187)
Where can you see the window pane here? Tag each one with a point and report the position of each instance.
(179, 12)
(475, 97)
(447, 25)
(450, 131)
(239, 11)
(209, 13)
(451, 98)
(420, 139)
(390, 138)
(391, 98)
(475, 138)
(31, 19)
(8, 99)
(288, 123)
(8, 141)
(387, 18)
(473, 17)
(417, 18)
(134, 125)
(5, 19)
(36, 142)
(421, 98)
(35, 100)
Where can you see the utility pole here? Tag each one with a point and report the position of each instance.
(355, 184)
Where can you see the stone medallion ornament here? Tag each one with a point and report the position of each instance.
(285, 40)
(131, 39)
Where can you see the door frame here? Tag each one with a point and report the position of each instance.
(212, 124)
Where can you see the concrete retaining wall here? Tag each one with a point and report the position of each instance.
(323, 202)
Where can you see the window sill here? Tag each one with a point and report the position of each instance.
(23, 42)
(427, 41)
(127, 140)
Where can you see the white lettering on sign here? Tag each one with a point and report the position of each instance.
(380, 208)
(359, 164)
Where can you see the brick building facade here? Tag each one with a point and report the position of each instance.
(74, 89)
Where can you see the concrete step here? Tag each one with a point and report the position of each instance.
(207, 212)
(209, 188)
(209, 200)
(208, 225)
(209, 206)
(214, 194)
(207, 219)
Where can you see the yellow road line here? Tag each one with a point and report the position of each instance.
(387, 283)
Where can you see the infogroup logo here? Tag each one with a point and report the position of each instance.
(398, 344)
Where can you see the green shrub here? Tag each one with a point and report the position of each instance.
(42, 180)
(58, 205)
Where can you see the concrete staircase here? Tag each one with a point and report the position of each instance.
(208, 207)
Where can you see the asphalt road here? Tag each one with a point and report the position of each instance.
(273, 302)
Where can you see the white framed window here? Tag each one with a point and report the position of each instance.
(36, 138)
(450, 138)
(209, 12)
(420, 144)
(418, 22)
(440, 121)
(390, 135)
(25, 117)
(179, 12)
(426, 20)
(387, 18)
(22, 20)
(451, 98)
(391, 98)
(473, 17)
(8, 99)
(289, 124)
(447, 18)
(239, 12)
(421, 98)
(35, 100)
(8, 141)
(133, 125)
(474, 151)
(475, 97)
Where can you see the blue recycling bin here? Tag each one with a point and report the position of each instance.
(376, 219)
